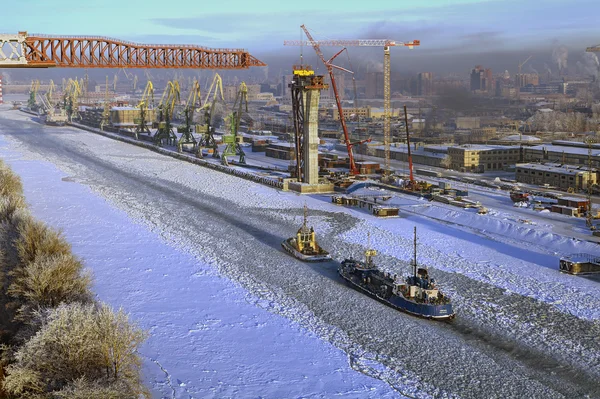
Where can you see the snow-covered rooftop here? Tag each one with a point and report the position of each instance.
(519, 137)
(555, 168)
(482, 147)
(565, 149)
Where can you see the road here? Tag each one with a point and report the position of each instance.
(473, 357)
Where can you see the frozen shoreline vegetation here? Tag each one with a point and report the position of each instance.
(57, 340)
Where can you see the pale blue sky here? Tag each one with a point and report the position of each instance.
(441, 25)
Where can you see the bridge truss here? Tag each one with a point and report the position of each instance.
(42, 51)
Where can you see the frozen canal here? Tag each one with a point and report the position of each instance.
(165, 239)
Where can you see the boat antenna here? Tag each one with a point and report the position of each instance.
(415, 254)
(305, 215)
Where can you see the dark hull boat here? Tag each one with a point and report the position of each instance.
(417, 294)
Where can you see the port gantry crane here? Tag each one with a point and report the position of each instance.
(589, 217)
(46, 99)
(386, 44)
(169, 98)
(106, 108)
(32, 102)
(593, 49)
(232, 140)
(208, 140)
(187, 130)
(70, 99)
(146, 101)
(52, 116)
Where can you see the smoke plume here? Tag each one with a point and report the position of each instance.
(531, 69)
(374, 66)
(590, 64)
(559, 56)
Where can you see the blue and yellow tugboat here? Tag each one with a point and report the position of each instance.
(417, 294)
(304, 246)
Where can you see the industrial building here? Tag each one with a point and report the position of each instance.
(362, 112)
(436, 156)
(425, 84)
(556, 175)
(479, 158)
(524, 79)
(464, 122)
(564, 152)
(281, 151)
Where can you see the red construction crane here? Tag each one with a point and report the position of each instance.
(386, 44)
(330, 66)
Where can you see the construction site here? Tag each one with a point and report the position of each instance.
(200, 122)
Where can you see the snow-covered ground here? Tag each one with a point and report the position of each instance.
(209, 338)
(523, 329)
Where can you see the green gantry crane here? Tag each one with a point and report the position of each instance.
(168, 100)
(233, 140)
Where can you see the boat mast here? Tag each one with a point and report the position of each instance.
(305, 216)
(415, 254)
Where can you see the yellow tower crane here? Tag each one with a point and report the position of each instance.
(517, 86)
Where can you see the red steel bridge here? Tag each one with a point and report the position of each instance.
(43, 51)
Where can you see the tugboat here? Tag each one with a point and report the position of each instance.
(417, 294)
(304, 246)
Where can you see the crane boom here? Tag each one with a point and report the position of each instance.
(352, 43)
(330, 66)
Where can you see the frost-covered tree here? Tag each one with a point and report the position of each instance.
(10, 183)
(35, 238)
(79, 342)
(85, 389)
(47, 282)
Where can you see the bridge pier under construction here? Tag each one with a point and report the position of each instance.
(306, 92)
